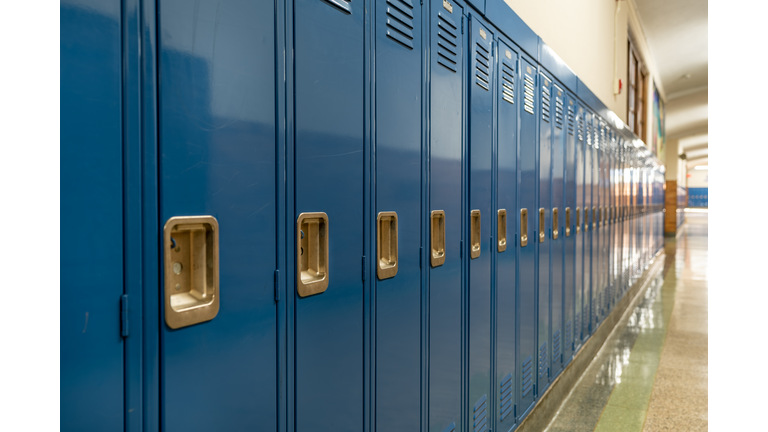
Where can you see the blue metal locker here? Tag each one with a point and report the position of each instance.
(329, 157)
(557, 230)
(543, 233)
(508, 102)
(593, 229)
(527, 220)
(569, 224)
(397, 238)
(446, 186)
(217, 158)
(589, 202)
(91, 196)
(479, 240)
(580, 298)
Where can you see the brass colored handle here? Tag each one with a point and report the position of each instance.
(502, 230)
(594, 221)
(386, 245)
(437, 240)
(578, 220)
(542, 225)
(312, 272)
(567, 221)
(523, 227)
(554, 223)
(474, 234)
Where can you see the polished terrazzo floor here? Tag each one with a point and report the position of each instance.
(651, 374)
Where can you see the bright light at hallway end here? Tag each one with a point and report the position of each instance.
(701, 167)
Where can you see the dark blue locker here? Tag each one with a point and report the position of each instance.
(479, 239)
(543, 233)
(593, 229)
(569, 224)
(588, 227)
(91, 196)
(602, 226)
(527, 219)
(557, 231)
(508, 103)
(397, 145)
(329, 178)
(579, 299)
(445, 205)
(217, 158)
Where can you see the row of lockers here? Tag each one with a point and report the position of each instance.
(332, 215)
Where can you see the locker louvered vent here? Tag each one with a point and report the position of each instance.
(580, 127)
(341, 5)
(507, 83)
(528, 94)
(450, 428)
(589, 136)
(479, 423)
(543, 363)
(568, 335)
(556, 347)
(545, 102)
(558, 108)
(447, 40)
(482, 66)
(570, 119)
(505, 396)
(400, 22)
(527, 375)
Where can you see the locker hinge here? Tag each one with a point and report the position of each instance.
(277, 286)
(124, 315)
(421, 256)
(363, 267)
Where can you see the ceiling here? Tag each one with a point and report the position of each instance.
(676, 32)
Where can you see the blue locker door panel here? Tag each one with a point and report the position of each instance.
(508, 101)
(526, 306)
(480, 147)
(543, 237)
(329, 159)
(579, 219)
(217, 157)
(398, 189)
(92, 210)
(587, 220)
(557, 330)
(446, 186)
(569, 254)
(594, 229)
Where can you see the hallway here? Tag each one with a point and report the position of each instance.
(652, 372)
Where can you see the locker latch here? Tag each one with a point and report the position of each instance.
(567, 221)
(523, 227)
(502, 230)
(542, 225)
(554, 223)
(437, 240)
(386, 245)
(474, 234)
(312, 269)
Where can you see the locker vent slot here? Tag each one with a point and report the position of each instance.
(447, 42)
(570, 119)
(577, 326)
(543, 363)
(450, 428)
(341, 5)
(556, 348)
(527, 375)
(580, 127)
(507, 82)
(505, 396)
(545, 103)
(568, 335)
(558, 108)
(589, 134)
(482, 66)
(528, 94)
(479, 423)
(400, 22)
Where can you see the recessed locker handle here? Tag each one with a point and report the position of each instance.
(554, 223)
(502, 230)
(437, 238)
(542, 225)
(578, 220)
(523, 227)
(474, 240)
(594, 221)
(191, 264)
(312, 269)
(386, 245)
(567, 221)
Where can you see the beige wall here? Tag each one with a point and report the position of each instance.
(582, 34)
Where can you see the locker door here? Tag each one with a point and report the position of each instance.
(593, 229)
(217, 158)
(479, 219)
(557, 336)
(588, 230)
(397, 242)
(569, 224)
(445, 191)
(329, 178)
(543, 234)
(580, 298)
(508, 102)
(526, 227)
(91, 196)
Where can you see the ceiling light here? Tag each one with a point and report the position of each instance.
(701, 167)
